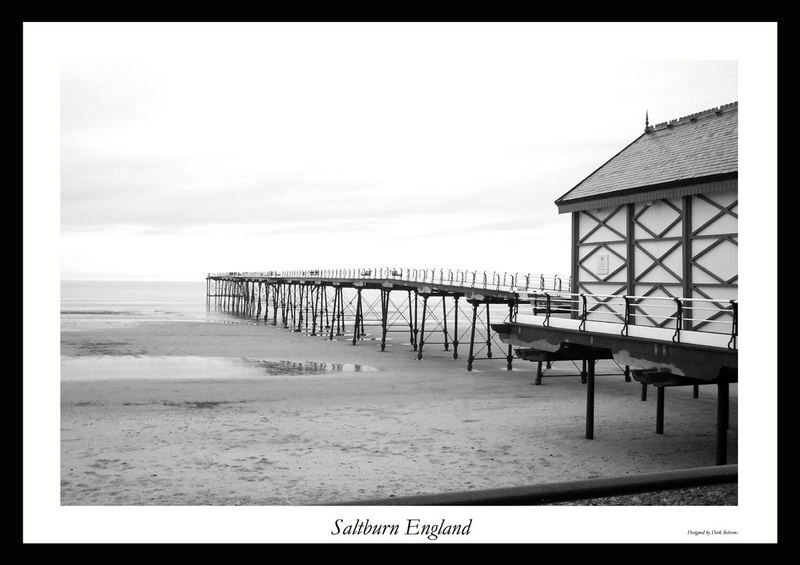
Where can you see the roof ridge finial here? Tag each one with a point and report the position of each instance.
(646, 121)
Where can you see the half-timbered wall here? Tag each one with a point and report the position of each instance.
(601, 252)
(714, 254)
(684, 246)
(657, 257)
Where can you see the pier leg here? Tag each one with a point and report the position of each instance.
(266, 302)
(455, 329)
(590, 400)
(510, 354)
(538, 379)
(411, 323)
(627, 374)
(297, 305)
(722, 422)
(303, 307)
(289, 306)
(341, 312)
(325, 307)
(444, 314)
(361, 317)
(253, 297)
(309, 305)
(314, 309)
(644, 392)
(471, 357)
(422, 332)
(660, 410)
(384, 317)
(357, 325)
(416, 318)
(335, 319)
(285, 306)
(300, 291)
(547, 364)
(275, 294)
(258, 309)
(583, 372)
(488, 332)
(269, 295)
(340, 315)
(696, 391)
(335, 310)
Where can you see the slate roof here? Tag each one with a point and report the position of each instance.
(693, 147)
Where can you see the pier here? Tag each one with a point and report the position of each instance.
(502, 317)
(427, 307)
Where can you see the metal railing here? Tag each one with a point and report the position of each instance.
(719, 316)
(508, 281)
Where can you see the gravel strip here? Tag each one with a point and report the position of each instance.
(716, 495)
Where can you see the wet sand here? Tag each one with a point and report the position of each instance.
(405, 428)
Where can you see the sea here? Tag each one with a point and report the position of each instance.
(105, 305)
(90, 305)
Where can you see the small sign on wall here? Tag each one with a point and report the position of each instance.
(602, 264)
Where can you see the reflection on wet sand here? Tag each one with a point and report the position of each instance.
(100, 361)
(305, 367)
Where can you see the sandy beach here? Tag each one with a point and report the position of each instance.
(397, 427)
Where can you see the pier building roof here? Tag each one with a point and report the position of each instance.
(688, 155)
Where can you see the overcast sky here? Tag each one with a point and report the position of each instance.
(174, 167)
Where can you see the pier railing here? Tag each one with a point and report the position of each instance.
(508, 281)
(668, 312)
